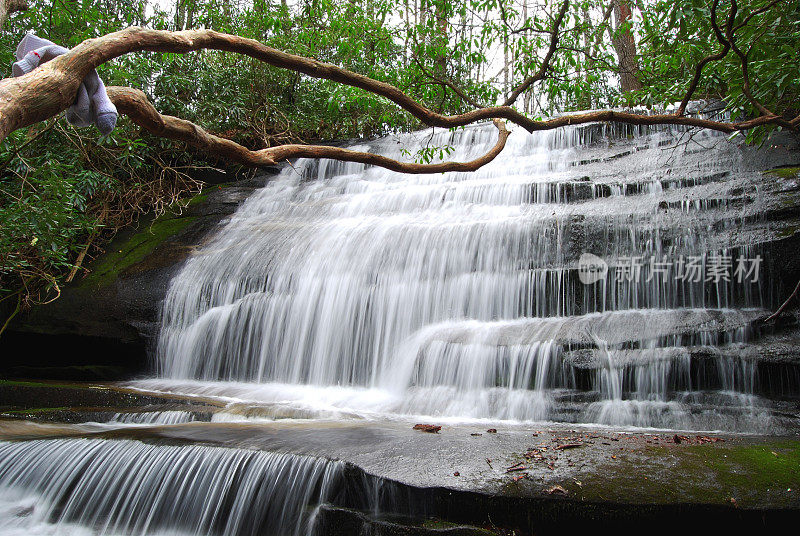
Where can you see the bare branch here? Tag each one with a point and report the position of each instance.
(755, 13)
(447, 83)
(729, 40)
(746, 81)
(705, 61)
(783, 307)
(542, 71)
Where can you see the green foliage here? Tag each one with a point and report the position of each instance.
(678, 35)
(62, 190)
(43, 213)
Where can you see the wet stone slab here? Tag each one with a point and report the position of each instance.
(489, 476)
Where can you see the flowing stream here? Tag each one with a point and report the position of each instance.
(342, 293)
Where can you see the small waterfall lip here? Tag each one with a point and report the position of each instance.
(147, 418)
(77, 486)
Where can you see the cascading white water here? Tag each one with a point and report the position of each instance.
(87, 486)
(153, 417)
(331, 286)
(340, 292)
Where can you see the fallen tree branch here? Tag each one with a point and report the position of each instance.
(51, 88)
(134, 104)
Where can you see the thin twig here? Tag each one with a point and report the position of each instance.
(774, 315)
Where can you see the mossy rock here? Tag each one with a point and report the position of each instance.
(787, 173)
(135, 248)
(139, 249)
(737, 475)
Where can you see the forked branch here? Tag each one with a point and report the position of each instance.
(541, 73)
(51, 88)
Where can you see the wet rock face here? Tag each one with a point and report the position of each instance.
(385, 477)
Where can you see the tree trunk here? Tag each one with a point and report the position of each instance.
(441, 41)
(7, 7)
(625, 47)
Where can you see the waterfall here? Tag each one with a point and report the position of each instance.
(570, 280)
(337, 278)
(87, 486)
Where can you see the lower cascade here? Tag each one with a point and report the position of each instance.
(590, 278)
(128, 487)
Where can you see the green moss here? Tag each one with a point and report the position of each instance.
(203, 196)
(19, 383)
(774, 466)
(785, 173)
(753, 475)
(134, 249)
(435, 524)
(196, 200)
(34, 411)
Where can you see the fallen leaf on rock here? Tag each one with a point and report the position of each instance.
(518, 478)
(533, 454)
(569, 446)
(492, 430)
(556, 490)
(430, 428)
